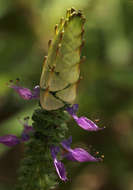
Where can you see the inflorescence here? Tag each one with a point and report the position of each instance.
(76, 154)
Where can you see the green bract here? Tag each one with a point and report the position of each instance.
(61, 70)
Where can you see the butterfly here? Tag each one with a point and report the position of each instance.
(61, 68)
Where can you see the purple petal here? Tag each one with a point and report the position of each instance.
(27, 129)
(83, 122)
(80, 155)
(36, 92)
(69, 156)
(87, 124)
(24, 137)
(66, 143)
(77, 154)
(59, 166)
(54, 151)
(60, 169)
(9, 140)
(72, 110)
(26, 93)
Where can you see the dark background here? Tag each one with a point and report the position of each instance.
(105, 93)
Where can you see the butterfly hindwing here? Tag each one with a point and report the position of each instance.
(61, 68)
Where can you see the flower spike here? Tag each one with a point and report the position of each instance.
(77, 154)
(59, 166)
(83, 122)
(25, 93)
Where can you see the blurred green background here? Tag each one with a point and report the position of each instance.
(106, 91)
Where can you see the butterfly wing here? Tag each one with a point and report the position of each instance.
(61, 68)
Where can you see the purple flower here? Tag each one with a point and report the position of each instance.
(72, 110)
(9, 140)
(27, 129)
(83, 122)
(36, 91)
(77, 154)
(25, 93)
(12, 140)
(59, 166)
